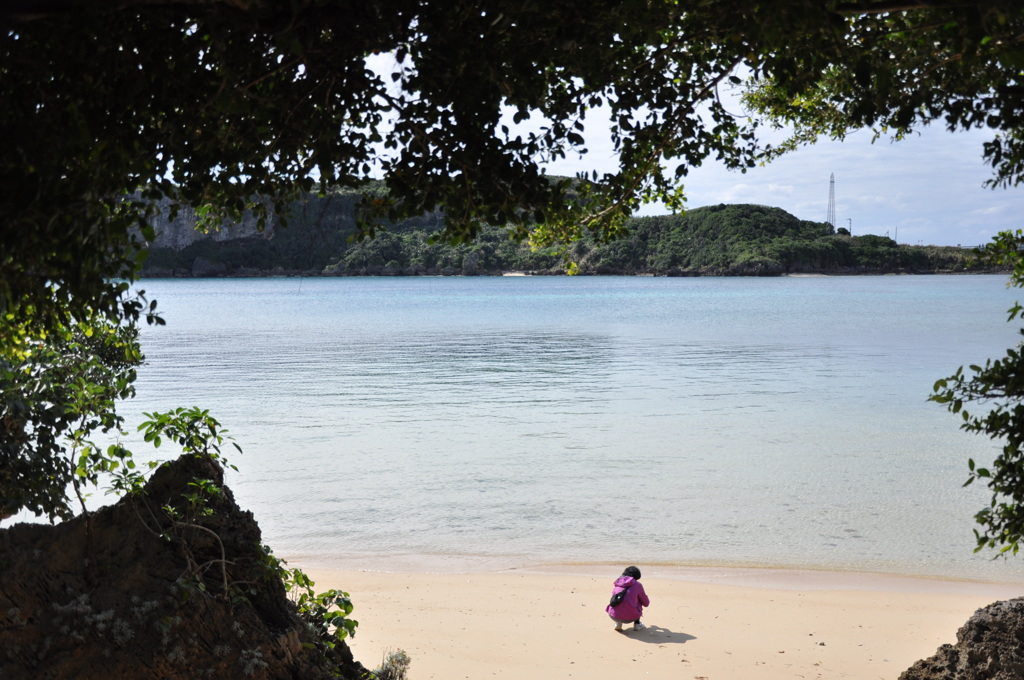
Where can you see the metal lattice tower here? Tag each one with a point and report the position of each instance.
(831, 216)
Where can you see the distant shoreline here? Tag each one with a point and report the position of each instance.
(152, 275)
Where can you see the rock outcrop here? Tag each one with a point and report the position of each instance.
(990, 646)
(154, 586)
(183, 231)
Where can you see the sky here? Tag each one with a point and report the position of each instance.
(924, 190)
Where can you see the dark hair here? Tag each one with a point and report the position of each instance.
(632, 571)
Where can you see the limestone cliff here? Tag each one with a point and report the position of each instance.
(181, 232)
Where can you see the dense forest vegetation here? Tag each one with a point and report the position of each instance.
(734, 240)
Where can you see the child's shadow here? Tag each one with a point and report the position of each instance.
(660, 636)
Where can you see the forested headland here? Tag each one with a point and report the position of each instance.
(321, 239)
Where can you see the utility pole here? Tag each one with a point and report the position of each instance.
(831, 216)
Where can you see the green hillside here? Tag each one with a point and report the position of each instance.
(730, 240)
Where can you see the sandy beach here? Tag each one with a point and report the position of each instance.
(703, 623)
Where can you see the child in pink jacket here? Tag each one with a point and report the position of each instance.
(631, 608)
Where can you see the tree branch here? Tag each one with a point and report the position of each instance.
(858, 8)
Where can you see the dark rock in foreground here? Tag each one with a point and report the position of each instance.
(990, 646)
(145, 597)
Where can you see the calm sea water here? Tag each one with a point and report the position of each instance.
(776, 422)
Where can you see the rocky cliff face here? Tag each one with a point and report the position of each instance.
(132, 593)
(990, 646)
(181, 232)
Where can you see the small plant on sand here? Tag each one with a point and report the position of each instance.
(395, 665)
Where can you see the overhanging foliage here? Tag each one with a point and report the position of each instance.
(214, 103)
(107, 109)
(998, 385)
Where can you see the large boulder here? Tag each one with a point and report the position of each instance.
(990, 646)
(155, 586)
(203, 267)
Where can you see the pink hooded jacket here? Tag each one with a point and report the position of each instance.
(632, 607)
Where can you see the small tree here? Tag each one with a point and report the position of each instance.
(999, 384)
(57, 389)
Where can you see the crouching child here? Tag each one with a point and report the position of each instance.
(628, 600)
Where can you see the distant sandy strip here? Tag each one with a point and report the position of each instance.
(703, 623)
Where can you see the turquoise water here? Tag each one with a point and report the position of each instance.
(775, 422)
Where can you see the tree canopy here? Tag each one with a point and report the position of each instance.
(107, 109)
(226, 104)
(899, 66)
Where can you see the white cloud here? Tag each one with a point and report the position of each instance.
(998, 209)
